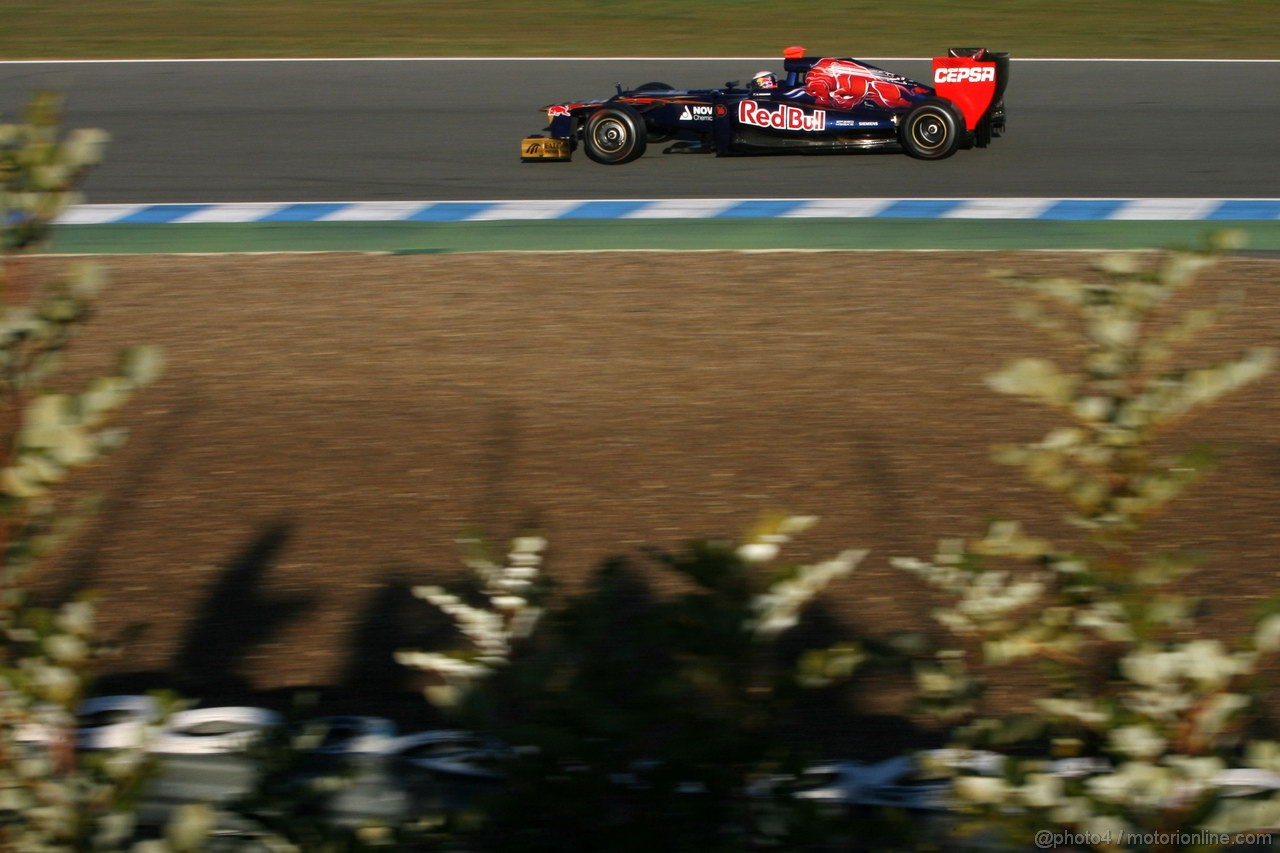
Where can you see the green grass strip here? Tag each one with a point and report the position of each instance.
(588, 235)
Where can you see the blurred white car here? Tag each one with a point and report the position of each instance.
(116, 722)
(210, 731)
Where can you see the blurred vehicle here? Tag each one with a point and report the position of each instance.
(1246, 782)
(899, 782)
(345, 771)
(203, 756)
(917, 782)
(345, 734)
(116, 722)
(922, 782)
(452, 754)
(213, 731)
(431, 775)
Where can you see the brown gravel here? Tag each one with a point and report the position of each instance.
(330, 424)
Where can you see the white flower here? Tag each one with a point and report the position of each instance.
(442, 664)
(123, 763)
(1093, 409)
(1137, 741)
(933, 681)
(1041, 790)
(1137, 783)
(35, 767)
(76, 617)
(1081, 710)
(1200, 768)
(1263, 754)
(442, 695)
(1218, 710)
(83, 147)
(1106, 826)
(794, 524)
(529, 545)
(981, 790)
(64, 648)
(778, 608)
(524, 622)
(1151, 668)
(1163, 704)
(758, 552)
(433, 594)
(379, 836)
(521, 573)
(55, 683)
(1072, 811)
(113, 830)
(1108, 619)
(190, 826)
(1033, 377)
(1208, 664)
(1233, 816)
(1119, 264)
(1266, 637)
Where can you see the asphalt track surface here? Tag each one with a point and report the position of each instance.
(439, 130)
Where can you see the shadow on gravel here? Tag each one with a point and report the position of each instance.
(236, 616)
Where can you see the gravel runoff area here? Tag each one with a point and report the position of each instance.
(330, 424)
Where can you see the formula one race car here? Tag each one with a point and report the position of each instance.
(822, 104)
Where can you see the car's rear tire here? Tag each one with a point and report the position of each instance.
(931, 130)
(614, 135)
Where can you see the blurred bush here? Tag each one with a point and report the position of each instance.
(51, 796)
(1168, 713)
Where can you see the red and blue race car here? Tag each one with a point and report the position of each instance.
(821, 104)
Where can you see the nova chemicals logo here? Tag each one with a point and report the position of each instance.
(696, 112)
(785, 118)
(974, 74)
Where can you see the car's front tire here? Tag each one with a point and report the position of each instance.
(931, 130)
(614, 135)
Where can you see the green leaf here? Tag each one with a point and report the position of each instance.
(142, 365)
(20, 484)
(74, 446)
(46, 418)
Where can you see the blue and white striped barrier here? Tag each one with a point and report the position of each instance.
(1045, 209)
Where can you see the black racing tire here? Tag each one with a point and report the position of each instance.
(931, 130)
(654, 87)
(614, 135)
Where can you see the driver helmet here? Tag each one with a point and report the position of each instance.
(764, 80)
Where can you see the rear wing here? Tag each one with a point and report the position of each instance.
(972, 78)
